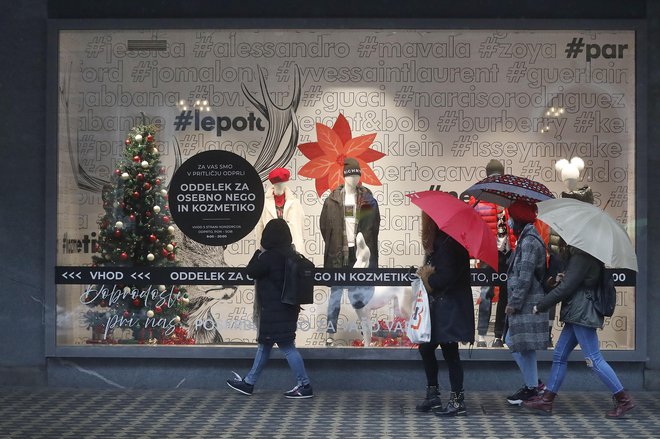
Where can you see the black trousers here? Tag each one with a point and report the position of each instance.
(452, 358)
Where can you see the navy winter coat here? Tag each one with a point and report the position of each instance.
(452, 311)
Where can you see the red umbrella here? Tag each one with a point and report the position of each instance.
(505, 189)
(460, 221)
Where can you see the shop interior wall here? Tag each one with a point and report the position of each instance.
(22, 198)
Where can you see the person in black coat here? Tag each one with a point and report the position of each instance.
(276, 321)
(446, 276)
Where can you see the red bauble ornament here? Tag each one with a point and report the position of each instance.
(117, 172)
(163, 170)
(122, 205)
(171, 256)
(150, 138)
(136, 194)
(123, 256)
(131, 217)
(157, 182)
(126, 314)
(117, 233)
(165, 253)
(166, 219)
(158, 309)
(140, 176)
(127, 141)
(137, 159)
(147, 186)
(136, 302)
(175, 290)
(153, 238)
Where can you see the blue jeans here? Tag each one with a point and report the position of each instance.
(526, 361)
(587, 338)
(292, 357)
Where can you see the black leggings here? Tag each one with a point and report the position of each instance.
(452, 358)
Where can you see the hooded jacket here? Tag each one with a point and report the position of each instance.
(277, 321)
(576, 291)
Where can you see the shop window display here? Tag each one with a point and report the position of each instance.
(359, 118)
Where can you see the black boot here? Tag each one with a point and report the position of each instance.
(432, 400)
(455, 406)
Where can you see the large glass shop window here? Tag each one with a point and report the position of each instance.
(176, 147)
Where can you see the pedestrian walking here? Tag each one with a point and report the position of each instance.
(276, 321)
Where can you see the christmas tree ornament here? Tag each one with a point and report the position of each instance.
(161, 288)
(166, 219)
(154, 151)
(127, 314)
(131, 217)
(159, 309)
(150, 313)
(115, 204)
(170, 229)
(150, 138)
(145, 164)
(147, 186)
(127, 141)
(163, 192)
(163, 170)
(136, 302)
(147, 214)
(119, 224)
(157, 182)
(177, 319)
(171, 256)
(117, 233)
(185, 300)
(125, 176)
(153, 238)
(164, 252)
(150, 257)
(140, 176)
(169, 247)
(156, 209)
(138, 138)
(137, 158)
(123, 256)
(117, 171)
(127, 290)
(136, 195)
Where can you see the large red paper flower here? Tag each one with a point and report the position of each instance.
(327, 155)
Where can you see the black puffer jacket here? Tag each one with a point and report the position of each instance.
(277, 320)
(576, 291)
(452, 312)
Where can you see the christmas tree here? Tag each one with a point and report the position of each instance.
(136, 231)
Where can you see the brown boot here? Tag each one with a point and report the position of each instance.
(541, 404)
(623, 403)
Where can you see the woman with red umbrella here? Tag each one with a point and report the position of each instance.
(446, 276)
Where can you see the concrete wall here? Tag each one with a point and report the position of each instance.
(23, 216)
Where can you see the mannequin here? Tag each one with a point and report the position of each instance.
(350, 211)
(280, 203)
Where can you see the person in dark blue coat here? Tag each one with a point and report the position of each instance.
(276, 321)
(446, 276)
